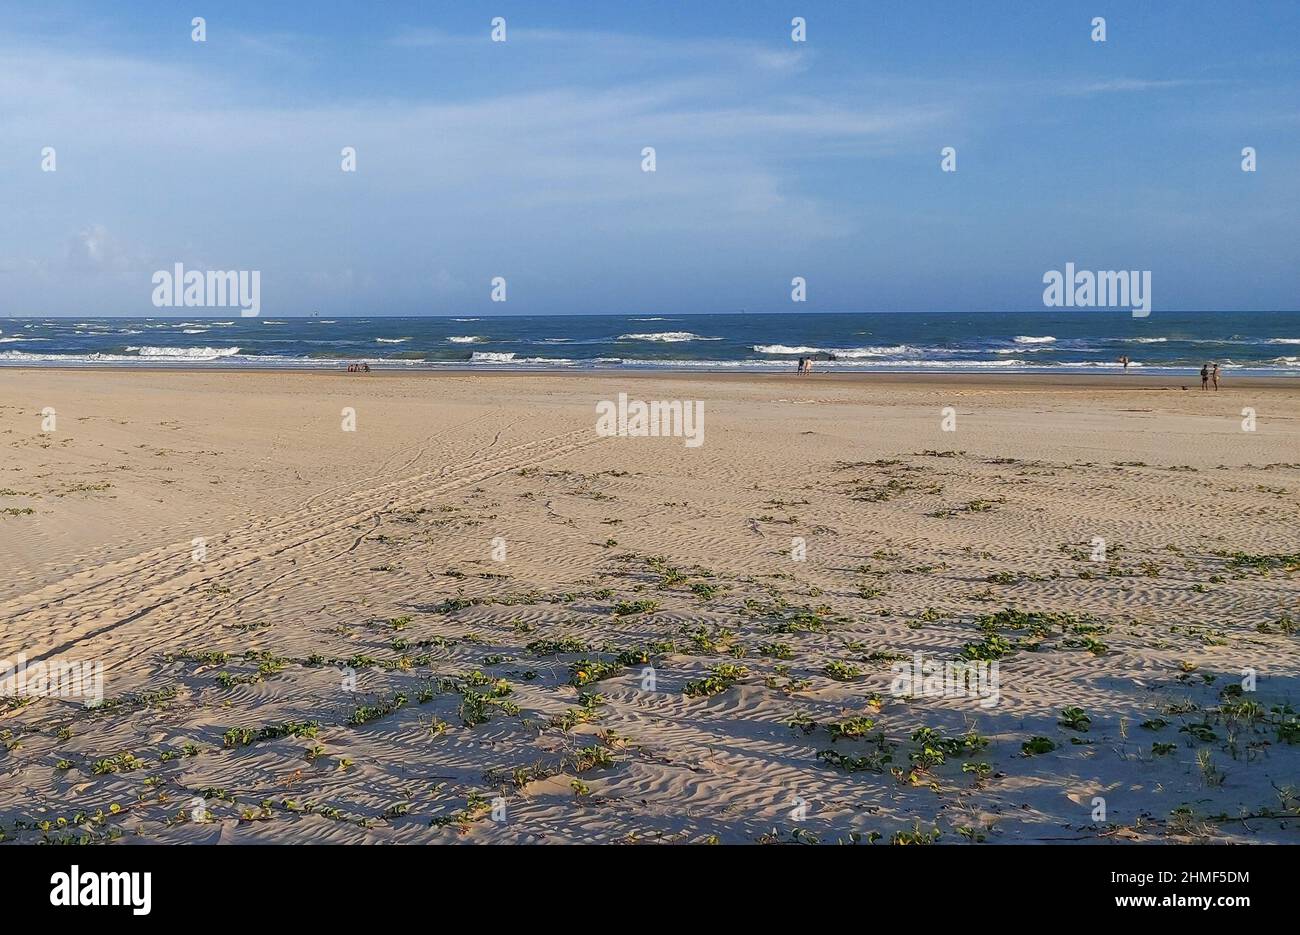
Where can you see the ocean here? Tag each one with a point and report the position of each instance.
(1262, 343)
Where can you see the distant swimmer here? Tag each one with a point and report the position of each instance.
(1125, 361)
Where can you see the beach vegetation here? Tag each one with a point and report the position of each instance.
(720, 678)
(871, 762)
(841, 671)
(1037, 745)
(628, 608)
(1075, 719)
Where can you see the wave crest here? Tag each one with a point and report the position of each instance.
(185, 353)
(667, 337)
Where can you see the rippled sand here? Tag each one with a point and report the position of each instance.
(307, 634)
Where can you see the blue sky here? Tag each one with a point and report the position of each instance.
(523, 159)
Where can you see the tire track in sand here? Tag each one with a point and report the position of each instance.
(125, 591)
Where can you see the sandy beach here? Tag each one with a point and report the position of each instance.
(462, 614)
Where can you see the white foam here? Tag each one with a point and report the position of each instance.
(667, 337)
(508, 357)
(160, 357)
(787, 349)
(186, 353)
(844, 353)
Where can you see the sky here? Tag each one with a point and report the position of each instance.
(523, 159)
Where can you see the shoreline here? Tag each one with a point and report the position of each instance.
(914, 378)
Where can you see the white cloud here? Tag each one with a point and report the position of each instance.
(1134, 86)
(595, 50)
(208, 169)
(92, 249)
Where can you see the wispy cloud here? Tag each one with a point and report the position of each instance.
(524, 158)
(593, 48)
(198, 164)
(1138, 85)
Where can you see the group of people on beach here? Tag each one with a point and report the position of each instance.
(358, 368)
(1209, 372)
(806, 363)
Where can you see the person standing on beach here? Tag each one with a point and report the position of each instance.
(1214, 375)
(1205, 376)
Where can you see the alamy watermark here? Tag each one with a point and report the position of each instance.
(77, 887)
(1124, 288)
(949, 678)
(666, 418)
(178, 288)
(83, 680)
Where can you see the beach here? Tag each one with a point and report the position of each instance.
(441, 606)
